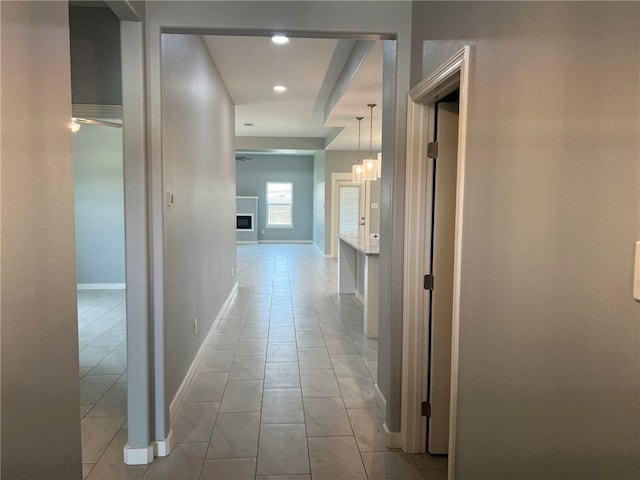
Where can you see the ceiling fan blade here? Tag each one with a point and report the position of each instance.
(91, 121)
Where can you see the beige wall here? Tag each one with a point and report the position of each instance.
(40, 383)
(548, 384)
(199, 168)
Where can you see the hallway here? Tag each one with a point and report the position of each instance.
(285, 389)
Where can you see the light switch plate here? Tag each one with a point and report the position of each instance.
(636, 275)
(168, 198)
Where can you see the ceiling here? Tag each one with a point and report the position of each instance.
(329, 83)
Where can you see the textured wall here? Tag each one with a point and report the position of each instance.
(199, 168)
(40, 383)
(548, 385)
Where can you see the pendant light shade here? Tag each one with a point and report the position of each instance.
(370, 164)
(370, 167)
(357, 171)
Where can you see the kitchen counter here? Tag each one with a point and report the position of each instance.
(358, 262)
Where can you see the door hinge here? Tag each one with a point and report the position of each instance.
(426, 409)
(428, 281)
(432, 150)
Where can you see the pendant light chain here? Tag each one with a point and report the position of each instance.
(371, 105)
(359, 125)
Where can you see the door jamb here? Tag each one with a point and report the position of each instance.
(420, 120)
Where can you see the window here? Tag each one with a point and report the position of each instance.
(279, 200)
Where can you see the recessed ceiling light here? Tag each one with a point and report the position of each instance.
(248, 124)
(280, 39)
(279, 89)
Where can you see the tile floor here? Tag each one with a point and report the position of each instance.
(285, 389)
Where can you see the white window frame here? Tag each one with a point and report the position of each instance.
(270, 225)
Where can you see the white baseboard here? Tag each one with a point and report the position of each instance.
(318, 248)
(359, 296)
(162, 448)
(391, 439)
(138, 455)
(102, 286)
(173, 406)
(380, 400)
(286, 241)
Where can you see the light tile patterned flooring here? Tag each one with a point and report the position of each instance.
(285, 389)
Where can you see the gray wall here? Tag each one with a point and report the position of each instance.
(319, 226)
(95, 56)
(342, 161)
(99, 204)
(40, 384)
(252, 178)
(199, 168)
(548, 385)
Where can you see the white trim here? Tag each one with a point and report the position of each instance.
(246, 242)
(308, 242)
(102, 286)
(162, 448)
(138, 455)
(391, 439)
(359, 296)
(429, 90)
(173, 406)
(380, 400)
(252, 197)
(416, 261)
(344, 177)
(457, 259)
(335, 178)
(318, 248)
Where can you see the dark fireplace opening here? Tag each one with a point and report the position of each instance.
(244, 222)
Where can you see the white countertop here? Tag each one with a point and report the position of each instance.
(362, 243)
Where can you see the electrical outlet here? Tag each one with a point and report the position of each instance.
(195, 326)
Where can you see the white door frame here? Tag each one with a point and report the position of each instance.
(341, 177)
(417, 233)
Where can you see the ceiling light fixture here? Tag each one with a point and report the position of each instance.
(280, 39)
(370, 164)
(279, 89)
(75, 126)
(357, 170)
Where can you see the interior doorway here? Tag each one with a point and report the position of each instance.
(439, 316)
(100, 259)
(348, 213)
(419, 377)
